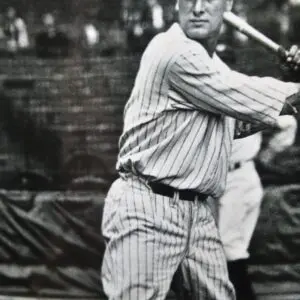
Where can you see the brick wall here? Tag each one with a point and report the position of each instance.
(79, 101)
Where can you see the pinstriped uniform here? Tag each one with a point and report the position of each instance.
(150, 235)
(178, 129)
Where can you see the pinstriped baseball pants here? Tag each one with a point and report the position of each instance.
(148, 236)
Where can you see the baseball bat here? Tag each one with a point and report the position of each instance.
(242, 26)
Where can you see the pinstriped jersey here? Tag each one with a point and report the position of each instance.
(179, 120)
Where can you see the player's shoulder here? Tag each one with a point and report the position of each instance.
(174, 45)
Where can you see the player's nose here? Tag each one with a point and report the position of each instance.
(198, 7)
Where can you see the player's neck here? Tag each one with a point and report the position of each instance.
(209, 45)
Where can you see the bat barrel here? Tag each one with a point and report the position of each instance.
(253, 33)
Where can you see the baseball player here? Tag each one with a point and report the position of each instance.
(185, 108)
(239, 207)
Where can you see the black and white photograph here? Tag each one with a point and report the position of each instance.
(149, 150)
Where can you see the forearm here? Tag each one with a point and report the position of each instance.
(226, 92)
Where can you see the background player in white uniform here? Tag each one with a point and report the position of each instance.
(239, 207)
(174, 153)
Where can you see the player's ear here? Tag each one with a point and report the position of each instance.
(229, 4)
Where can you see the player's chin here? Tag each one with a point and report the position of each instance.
(197, 34)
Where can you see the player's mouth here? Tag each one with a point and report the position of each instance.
(198, 22)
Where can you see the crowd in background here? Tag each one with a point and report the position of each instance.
(131, 31)
(48, 42)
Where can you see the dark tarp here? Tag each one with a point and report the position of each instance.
(50, 244)
(284, 169)
(275, 247)
(277, 235)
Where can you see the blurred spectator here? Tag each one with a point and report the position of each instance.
(113, 40)
(51, 42)
(126, 8)
(152, 19)
(134, 32)
(90, 35)
(15, 31)
(170, 13)
(144, 25)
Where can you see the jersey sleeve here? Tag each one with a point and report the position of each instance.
(200, 82)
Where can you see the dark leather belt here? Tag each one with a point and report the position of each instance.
(168, 191)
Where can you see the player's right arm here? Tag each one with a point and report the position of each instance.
(214, 88)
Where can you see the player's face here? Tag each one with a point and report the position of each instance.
(202, 19)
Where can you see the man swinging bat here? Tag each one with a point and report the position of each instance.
(185, 109)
